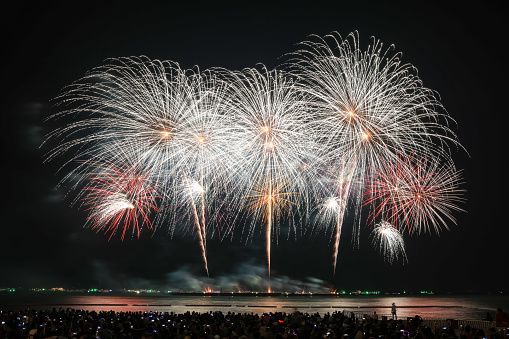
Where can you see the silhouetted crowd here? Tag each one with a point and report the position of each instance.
(80, 324)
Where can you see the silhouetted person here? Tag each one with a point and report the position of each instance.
(393, 311)
(467, 332)
(416, 321)
(501, 318)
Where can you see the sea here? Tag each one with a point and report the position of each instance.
(461, 307)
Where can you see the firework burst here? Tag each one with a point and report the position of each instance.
(272, 122)
(389, 241)
(118, 199)
(420, 194)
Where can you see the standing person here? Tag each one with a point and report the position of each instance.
(393, 311)
(501, 318)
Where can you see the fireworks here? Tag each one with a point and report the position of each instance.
(389, 242)
(165, 117)
(119, 198)
(420, 194)
(270, 200)
(370, 108)
(275, 144)
(152, 144)
(272, 122)
(332, 210)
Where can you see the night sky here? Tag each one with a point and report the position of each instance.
(457, 50)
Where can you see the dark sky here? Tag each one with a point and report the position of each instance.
(458, 51)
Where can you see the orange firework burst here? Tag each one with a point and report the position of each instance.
(269, 201)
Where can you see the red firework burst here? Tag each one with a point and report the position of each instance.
(420, 194)
(119, 199)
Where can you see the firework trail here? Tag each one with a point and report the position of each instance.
(343, 184)
(195, 188)
(333, 206)
(389, 242)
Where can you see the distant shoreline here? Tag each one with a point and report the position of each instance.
(206, 305)
(253, 294)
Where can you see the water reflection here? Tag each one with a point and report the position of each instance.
(458, 307)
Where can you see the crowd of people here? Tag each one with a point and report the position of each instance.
(81, 324)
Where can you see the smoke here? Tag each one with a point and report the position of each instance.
(246, 276)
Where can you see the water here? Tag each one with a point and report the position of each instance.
(427, 306)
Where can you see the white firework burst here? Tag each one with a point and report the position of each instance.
(389, 241)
